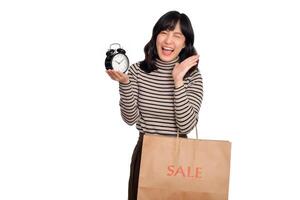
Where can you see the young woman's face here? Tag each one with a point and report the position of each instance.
(170, 43)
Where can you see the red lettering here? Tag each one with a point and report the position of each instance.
(189, 171)
(179, 170)
(198, 172)
(170, 170)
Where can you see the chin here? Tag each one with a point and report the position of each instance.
(167, 58)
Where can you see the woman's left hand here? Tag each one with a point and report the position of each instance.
(182, 68)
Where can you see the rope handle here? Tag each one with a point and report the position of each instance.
(177, 142)
(195, 129)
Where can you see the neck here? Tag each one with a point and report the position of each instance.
(172, 62)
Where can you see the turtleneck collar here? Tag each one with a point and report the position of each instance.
(166, 64)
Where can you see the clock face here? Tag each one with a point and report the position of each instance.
(120, 62)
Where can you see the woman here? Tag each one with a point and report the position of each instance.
(162, 94)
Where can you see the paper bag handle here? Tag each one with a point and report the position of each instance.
(195, 129)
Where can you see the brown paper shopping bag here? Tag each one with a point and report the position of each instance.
(174, 168)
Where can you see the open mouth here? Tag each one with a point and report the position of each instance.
(167, 51)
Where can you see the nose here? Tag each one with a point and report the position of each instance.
(168, 38)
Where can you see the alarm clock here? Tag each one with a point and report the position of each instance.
(116, 58)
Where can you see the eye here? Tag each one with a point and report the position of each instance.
(177, 36)
(163, 32)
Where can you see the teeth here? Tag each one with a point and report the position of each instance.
(166, 48)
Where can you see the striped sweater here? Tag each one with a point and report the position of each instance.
(152, 102)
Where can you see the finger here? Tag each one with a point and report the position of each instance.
(119, 75)
(116, 75)
(195, 57)
(109, 73)
(192, 64)
(194, 60)
(190, 60)
(112, 74)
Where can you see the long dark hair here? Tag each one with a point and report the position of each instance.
(168, 22)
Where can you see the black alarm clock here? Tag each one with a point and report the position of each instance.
(116, 59)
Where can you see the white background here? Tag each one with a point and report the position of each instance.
(61, 134)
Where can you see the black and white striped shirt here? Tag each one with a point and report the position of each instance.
(152, 102)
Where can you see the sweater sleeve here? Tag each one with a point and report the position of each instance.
(128, 97)
(187, 100)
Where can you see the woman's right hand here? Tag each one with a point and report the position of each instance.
(118, 76)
